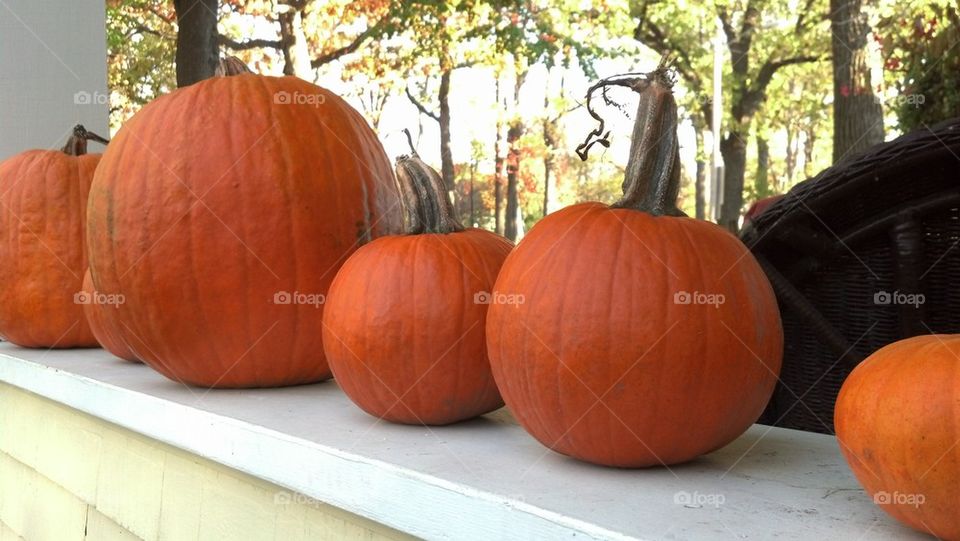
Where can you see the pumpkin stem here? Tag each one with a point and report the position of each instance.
(652, 179)
(413, 149)
(77, 143)
(230, 65)
(427, 205)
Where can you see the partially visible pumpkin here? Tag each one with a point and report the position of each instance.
(645, 337)
(99, 307)
(43, 203)
(896, 420)
(404, 320)
(218, 208)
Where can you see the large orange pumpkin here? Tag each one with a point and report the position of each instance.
(645, 337)
(404, 320)
(43, 203)
(99, 308)
(222, 211)
(896, 419)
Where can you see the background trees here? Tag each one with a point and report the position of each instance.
(492, 89)
(857, 116)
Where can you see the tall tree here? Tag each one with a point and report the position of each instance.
(551, 139)
(700, 203)
(512, 218)
(555, 107)
(761, 184)
(685, 36)
(857, 115)
(296, 56)
(759, 45)
(797, 108)
(197, 40)
(310, 34)
(449, 35)
(541, 32)
(141, 47)
(498, 160)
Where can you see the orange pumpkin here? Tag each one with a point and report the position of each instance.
(218, 208)
(43, 202)
(895, 420)
(645, 337)
(99, 309)
(404, 320)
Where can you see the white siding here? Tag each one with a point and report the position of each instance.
(53, 57)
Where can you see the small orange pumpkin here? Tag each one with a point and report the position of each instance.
(645, 337)
(102, 319)
(43, 203)
(404, 320)
(896, 421)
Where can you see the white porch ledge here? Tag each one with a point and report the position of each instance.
(484, 479)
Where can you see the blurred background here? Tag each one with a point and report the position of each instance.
(771, 92)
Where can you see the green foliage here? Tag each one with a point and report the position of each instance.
(141, 44)
(406, 45)
(922, 60)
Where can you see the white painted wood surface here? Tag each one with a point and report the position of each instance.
(483, 479)
(53, 72)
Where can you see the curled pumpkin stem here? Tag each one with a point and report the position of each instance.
(413, 148)
(77, 143)
(598, 135)
(652, 179)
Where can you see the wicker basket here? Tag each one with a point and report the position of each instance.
(862, 255)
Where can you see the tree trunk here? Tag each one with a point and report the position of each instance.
(734, 152)
(197, 40)
(376, 101)
(857, 115)
(550, 142)
(296, 56)
(514, 132)
(473, 212)
(446, 156)
(513, 170)
(547, 167)
(811, 138)
(791, 158)
(761, 184)
(551, 139)
(700, 180)
(498, 167)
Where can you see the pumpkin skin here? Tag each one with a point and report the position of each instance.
(599, 321)
(103, 323)
(216, 206)
(403, 328)
(645, 337)
(896, 424)
(410, 352)
(43, 198)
